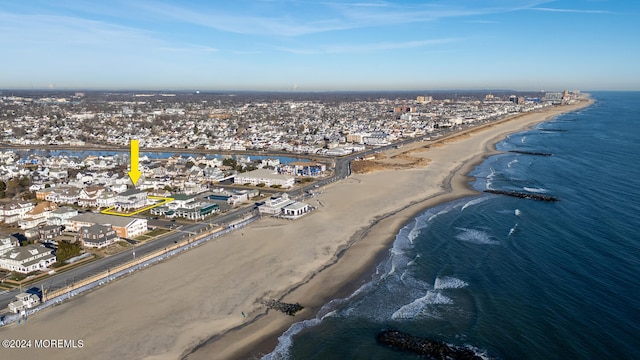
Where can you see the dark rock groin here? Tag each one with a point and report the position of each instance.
(531, 153)
(424, 347)
(523, 195)
(289, 309)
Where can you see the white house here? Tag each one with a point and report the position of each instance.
(7, 242)
(274, 204)
(106, 199)
(131, 199)
(89, 195)
(295, 210)
(264, 176)
(282, 206)
(14, 211)
(38, 215)
(61, 216)
(25, 259)
(23, 301)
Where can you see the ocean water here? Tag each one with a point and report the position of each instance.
(507, 277)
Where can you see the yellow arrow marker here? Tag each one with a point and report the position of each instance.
(134, 174)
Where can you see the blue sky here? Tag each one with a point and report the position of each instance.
(320, 45)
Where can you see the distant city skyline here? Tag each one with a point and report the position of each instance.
(323, 45)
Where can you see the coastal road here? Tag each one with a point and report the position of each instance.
(69, 277)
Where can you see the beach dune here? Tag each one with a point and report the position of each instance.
(204, 304)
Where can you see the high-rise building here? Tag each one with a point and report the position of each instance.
(424, 99)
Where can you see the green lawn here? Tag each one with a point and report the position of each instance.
(151, 234)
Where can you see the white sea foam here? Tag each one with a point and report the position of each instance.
(413, 262)
(535, 190)
(514, 161)
(441, 212)
(476, 237)
(473, 202)
(281, 352)
(413, 234)
(448, 282)
(410, 282)
(411, 310)
(513, 229)
(523, 140)
(490, 178)
(518, 212)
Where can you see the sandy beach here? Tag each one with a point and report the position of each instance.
(192, 305)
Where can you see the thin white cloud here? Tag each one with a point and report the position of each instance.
(68, 34)
(573, 11)
(241, 52)
(67, 30)
(244, 24)
(286, 18)
(482, 22)
(194, 49)
(364, 48)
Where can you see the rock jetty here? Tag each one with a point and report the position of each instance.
(432, 349)
(530, 153)
(522, 195)
(289, 309)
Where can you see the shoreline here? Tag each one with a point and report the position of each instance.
(457, 185)
(190, 307)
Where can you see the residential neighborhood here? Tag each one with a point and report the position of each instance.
(329, 124)
(64, 167)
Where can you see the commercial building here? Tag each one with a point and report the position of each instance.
(266, 177)
(125, 227)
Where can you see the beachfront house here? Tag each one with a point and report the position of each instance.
(98, 236)
(266, 177)
(26, 259)
(125, 227)
(282, 206)
(295, 210)
(23, 302)
(186, 206)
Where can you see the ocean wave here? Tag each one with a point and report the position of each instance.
(490, 178)
(285, 341)
(413, 262)
(413, 309)
(448, 282)
(476, 237)
(514, 161)
(411, 282)
(474, 202)
(413, 234)
(535, 190)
